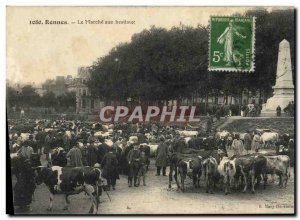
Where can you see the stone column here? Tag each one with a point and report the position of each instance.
(284, 88)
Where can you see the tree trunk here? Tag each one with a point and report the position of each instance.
(206, 102)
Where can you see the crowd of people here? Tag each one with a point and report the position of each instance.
(114, 151)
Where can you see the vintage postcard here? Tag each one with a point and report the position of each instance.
(150, 110)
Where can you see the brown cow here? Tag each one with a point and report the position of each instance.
(185, 164)
(210, 169)
(251, 166)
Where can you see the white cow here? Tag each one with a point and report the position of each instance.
(222, 135)
(68, 134)
(133, 139)
(80, 144)
(186, 133)
(269, 138)
(153, 149)
(102, 134)
(48, 129)
(109, 142)
(148, 135)
(13, 155)
(98, 133)
(105, 127)
(227, 170)
(25, 136)
(187, 139)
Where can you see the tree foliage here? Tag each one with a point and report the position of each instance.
(28, 97)
(161, 64)
(271, 29)
(156, 65)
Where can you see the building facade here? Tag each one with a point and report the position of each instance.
(85, 102)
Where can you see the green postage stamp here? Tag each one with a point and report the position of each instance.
(231, 44)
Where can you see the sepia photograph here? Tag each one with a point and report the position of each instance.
(150, 110)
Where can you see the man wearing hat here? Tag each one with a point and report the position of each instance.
(161, 157)
(110, 168)
(25, 185)
(133, 162)
(91, 154)
(33, 144)
(75, 156)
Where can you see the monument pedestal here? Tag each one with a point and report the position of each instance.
(284, 88)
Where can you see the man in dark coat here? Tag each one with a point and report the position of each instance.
(84, 154)
(142, 168)
(25, 185)
(40, 140)
(123, 162)
(47, 148)
(75, 156)
(178, 145)
(110, 168)
(133, 162)
(161, 157)
(278, 110)
(32, 143)
(102, 149)
(91, 154)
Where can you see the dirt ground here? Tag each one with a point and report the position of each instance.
(156, 198)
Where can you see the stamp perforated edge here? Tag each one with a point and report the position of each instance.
(231, 69)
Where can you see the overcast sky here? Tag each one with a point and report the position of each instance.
(38, 52)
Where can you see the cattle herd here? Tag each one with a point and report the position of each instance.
(192, 154)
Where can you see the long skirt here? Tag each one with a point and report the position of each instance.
(23, 192)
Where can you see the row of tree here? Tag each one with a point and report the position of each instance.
(161, 64)
(28, 97)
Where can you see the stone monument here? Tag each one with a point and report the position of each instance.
(284, 88)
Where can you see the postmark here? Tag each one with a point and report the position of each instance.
(231, 44)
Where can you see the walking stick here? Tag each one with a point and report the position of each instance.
(106, 193)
